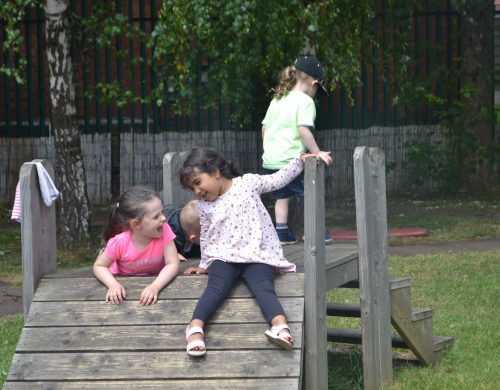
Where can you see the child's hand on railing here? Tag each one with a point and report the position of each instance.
(321, 155)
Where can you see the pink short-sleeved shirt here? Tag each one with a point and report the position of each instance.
(236, 226)
(130, 261)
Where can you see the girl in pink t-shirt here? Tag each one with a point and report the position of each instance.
(138, 242)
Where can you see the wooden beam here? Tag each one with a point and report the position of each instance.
(371, 220)
(316, 365)
(173, 193)
(38, 231)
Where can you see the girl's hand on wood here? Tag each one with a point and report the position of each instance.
(303, 156)
(326, 157)
(116, 294)
(195, 271)
(149, 295)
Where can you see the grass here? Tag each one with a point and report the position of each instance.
(11, 327)
(444, 219)
(462, 289)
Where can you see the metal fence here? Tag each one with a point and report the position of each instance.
(25, 110)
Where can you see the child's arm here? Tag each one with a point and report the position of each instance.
(149, 295)
(310, 143)
(116, 292)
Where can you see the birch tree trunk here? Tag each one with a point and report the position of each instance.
(73, 211)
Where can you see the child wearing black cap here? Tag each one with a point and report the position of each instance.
(287, 132)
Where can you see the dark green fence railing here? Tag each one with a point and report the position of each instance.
(25, 109)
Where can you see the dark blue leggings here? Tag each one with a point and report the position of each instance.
(221, 279)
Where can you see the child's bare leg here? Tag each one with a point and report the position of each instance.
(281, 210)
(280, 320)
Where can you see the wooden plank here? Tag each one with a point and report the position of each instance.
(371, 221)
(154, 365)
(419, 339)
(182, 287)
(178, 384)
(38, 231)
(316, 364)
(146, 337)
(173, 193)
(238, 310)
(294, 253)
(333, 253)
(342, 272)
(82, 272)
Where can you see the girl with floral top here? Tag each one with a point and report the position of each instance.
(237, 240)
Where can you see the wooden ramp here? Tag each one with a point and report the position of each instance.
(72, 339)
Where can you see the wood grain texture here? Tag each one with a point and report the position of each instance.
(38, 231)
(177, 384)
(182, 287)
(371, 222)
(138, 365)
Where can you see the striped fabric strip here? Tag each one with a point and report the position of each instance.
(16, 209)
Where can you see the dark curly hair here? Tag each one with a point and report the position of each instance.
(205, 160)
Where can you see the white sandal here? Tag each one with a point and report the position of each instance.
(277, 335)
(196, 343)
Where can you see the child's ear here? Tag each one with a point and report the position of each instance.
(194, 239)
(133, 223)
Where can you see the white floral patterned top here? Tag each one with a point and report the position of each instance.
(237, 228)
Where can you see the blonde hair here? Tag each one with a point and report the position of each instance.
(288, 79)
(190, 219)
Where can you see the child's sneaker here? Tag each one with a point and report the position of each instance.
(286, 236)
(328, 238)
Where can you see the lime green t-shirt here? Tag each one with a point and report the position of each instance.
(282, 141)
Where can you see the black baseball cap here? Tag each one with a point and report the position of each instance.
(311, 66)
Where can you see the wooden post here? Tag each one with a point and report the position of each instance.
(38, 231)
(371, 220)
(173, 193)
(316, 365)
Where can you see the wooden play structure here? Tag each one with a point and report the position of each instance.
(72, 339)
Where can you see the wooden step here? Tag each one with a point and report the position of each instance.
(394, 283)
(350, 336)
(421, 313)
(417, 333)
(442, 342)
(399, 282)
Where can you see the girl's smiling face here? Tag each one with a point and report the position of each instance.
(207, 186)
(151, 224)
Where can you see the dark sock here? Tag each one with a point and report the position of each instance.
(281, 226)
